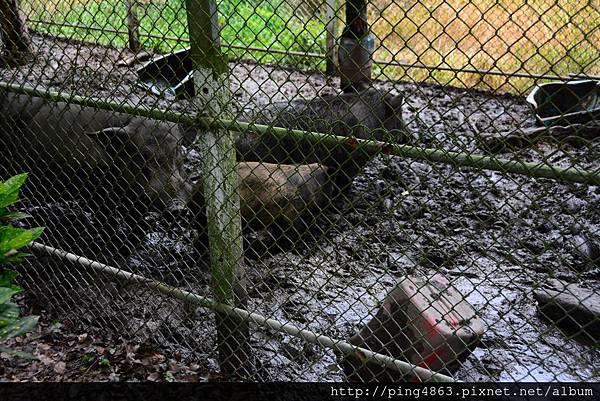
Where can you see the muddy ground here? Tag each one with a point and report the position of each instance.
(497, 236)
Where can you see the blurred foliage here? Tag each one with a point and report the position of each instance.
(11, 240)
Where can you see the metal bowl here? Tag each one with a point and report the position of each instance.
(170, 74)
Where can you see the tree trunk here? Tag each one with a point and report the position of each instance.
(13, 32)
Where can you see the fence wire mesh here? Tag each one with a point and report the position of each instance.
(397, 192)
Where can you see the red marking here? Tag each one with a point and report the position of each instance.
(430, 360)
(351, 142)
(431, 330)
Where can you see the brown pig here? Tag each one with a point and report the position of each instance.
(273, 193)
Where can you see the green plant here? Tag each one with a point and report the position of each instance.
(11, 240)
(169, 377)
(247, 23)
(88, 358)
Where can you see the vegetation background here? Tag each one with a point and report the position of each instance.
(555, 37)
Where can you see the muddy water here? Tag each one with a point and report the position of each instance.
(497, 236)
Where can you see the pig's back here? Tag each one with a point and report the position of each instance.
(48, 135)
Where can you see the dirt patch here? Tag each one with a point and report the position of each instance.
(61, 350)
(497, 236)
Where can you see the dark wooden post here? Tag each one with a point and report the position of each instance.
(14, 35)
(356, 49)
(133, 25)
(356, 19)
(220, 185)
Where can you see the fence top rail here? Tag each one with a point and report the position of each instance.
(391, 63)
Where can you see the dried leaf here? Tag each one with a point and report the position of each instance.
(153, 377)
(60, 368)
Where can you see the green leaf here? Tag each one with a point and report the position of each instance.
(14, 183)
(18, 327)
(7, 278)
(9, 190)
(13, 259)
(7, 216)
(15, 238)
(9, 312)
(6, 294)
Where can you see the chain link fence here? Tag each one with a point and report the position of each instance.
(359, 192)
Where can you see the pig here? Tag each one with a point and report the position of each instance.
(271, 197)
(80, 151)
(278, 192)
(372, 114)
(273, 193)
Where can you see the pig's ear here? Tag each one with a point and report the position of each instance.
(393, 102)
(110, 138)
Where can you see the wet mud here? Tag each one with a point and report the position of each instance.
(496, 236)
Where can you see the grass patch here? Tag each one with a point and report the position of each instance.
(255, 23)
(554, 37)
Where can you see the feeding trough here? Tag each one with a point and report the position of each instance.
(170, 74)
(565, 103)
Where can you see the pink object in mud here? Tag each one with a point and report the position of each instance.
(424, 321)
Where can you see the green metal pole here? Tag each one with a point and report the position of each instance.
(542, 169)
(217, 148)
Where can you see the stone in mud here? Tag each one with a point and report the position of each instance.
(587, 249)
(424, 321)
(573, 308)
(273, 193)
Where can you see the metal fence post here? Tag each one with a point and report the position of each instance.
(220, 184)
(132, 25)
(331, 28)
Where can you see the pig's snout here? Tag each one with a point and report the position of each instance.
(179, 205)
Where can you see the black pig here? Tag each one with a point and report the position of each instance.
(117, 165)
(75, 151)
(371, 114)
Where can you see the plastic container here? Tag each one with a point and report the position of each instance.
(425, 321)
(564, 103)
